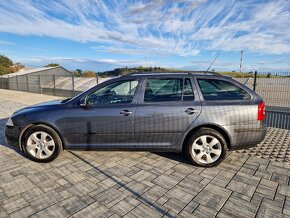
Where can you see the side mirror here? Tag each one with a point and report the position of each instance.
(83, 102)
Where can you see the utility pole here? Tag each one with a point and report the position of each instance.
(241, 61)
(145, 59)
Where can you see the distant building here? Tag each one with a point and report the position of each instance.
(32, 79)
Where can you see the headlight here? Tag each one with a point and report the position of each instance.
(9, 122)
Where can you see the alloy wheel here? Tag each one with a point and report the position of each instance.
(206, 149)
(40, 145)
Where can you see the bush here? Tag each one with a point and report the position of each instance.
(89, 74)
(52, 65)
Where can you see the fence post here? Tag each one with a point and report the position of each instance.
(17, 81)
(73, 85)
(27, 84)
(53, 77)
(255, 81)
(40, 90)
(97, 77)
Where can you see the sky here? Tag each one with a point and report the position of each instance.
(181, 34)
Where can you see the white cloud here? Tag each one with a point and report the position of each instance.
(84, 64)
(221, 65)
(156, 27)
(3, 42)
(34, 49)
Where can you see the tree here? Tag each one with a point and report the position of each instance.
(4, 70)
(52, 65)
(5, 61)
(5, 65)
(268, 75)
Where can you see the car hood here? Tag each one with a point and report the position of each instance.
(53, 103)
(48, 103)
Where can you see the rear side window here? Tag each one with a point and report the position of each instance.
(172, 89)
(213, 89)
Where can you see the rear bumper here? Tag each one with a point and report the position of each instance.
(249, 138)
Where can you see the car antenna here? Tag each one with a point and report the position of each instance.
(218, 54)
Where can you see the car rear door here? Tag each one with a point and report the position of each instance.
(229, 104)
(166, 108)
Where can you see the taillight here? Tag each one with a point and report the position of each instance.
(261, 111)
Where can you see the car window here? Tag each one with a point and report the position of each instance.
(158, 90)
(213, 89)
(114, 93)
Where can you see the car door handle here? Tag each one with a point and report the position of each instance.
(126, 112)
(190, 111)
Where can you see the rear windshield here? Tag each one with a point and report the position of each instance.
(214, 89)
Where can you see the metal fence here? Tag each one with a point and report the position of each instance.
(58, 85)
(273, 88)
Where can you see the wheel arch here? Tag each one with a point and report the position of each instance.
(28, 126)
(219, 129)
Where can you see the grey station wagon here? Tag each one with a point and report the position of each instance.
(201, 114)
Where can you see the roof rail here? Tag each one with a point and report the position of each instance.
(205, 72)
(188, 72)
(134, 73)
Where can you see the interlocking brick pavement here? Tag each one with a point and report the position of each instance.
(249, 183)
(276, 146)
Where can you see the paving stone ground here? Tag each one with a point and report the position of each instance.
(276, 146)
(140, 184)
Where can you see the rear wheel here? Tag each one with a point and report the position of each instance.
(206, 147)
(42, 143)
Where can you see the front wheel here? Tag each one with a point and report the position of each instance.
(206, 147)
(42, 143)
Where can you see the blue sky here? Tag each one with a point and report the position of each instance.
(182, 34)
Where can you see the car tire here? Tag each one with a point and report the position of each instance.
(206, 147)
(42, 144)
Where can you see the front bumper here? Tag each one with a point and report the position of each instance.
(12, 135)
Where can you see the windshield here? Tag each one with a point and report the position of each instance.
(66, 100)
(75, 97)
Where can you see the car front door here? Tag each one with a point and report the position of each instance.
(106, 119)
(165, 110)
